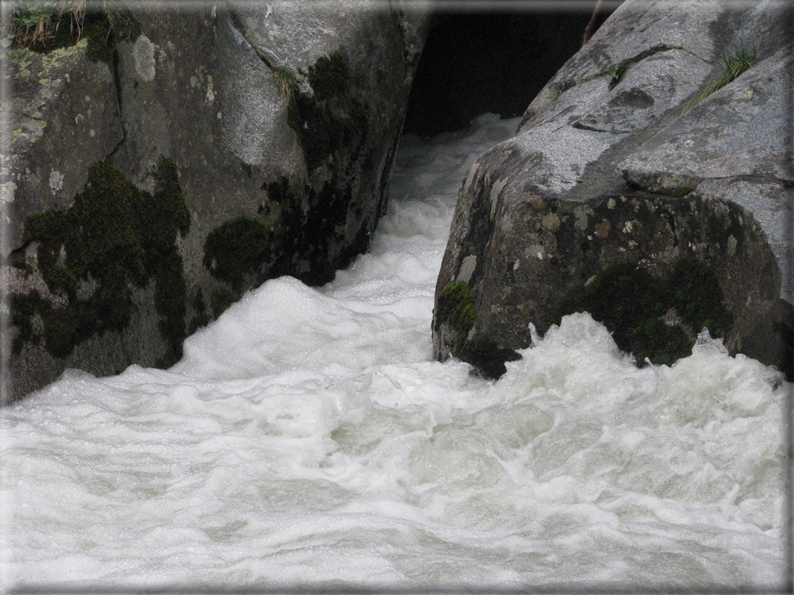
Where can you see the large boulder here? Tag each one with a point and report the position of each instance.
(639, 190)
(151, 180)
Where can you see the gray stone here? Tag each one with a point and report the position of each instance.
(191, 103)
(733, 146)
(771, 203)
(618, 163)
(63, 116)
(633, 33)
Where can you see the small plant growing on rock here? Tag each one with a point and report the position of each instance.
(44, 26)
(37, 22)
(286, 81)
(732, 67)
(616, 72)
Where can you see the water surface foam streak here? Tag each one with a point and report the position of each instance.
(308, 439)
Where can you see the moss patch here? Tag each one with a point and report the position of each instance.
(312, 226)
(651, 317)
(455, 309)
(222, 298)
(113, 238)
(238, 248)
(333, 126)
(330, 76)
(334, 117)
(615, 72)
(201, 316)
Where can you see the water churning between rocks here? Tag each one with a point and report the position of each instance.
(307, 439)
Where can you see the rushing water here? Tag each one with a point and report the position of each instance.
(308, 439)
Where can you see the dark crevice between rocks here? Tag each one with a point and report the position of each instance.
(114, 67)
(476, 62)
(678, 186)
(234, 19)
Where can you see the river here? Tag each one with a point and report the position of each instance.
(307, 439)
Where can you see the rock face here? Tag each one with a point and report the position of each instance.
(153, 176)
(639, 191)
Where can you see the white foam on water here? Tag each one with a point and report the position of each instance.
(308, 439)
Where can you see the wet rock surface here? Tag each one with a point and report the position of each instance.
(279, 123)
(624, 173)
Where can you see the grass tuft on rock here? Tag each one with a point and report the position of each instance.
(45, 25)
(732, 66)
(286, 81)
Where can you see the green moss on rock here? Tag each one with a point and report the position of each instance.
(312, 228)
(330, 76)
(653, 339)
(332, 118)
(697, 297)
(651, 317)
(238, 248)
(113, 238)
(455, 309)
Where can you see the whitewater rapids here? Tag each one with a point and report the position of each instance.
(307, 439)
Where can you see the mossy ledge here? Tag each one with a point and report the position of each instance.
(102, 28)
(113, 238)
(455, 310)
(657, 318)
